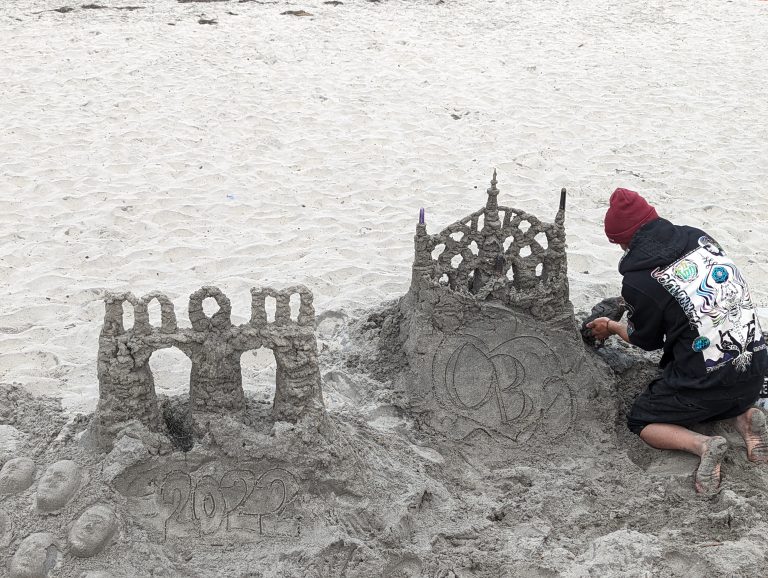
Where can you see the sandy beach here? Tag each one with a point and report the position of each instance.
(162, 145)
(142, 150)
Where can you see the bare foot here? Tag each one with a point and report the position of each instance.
(752, 427)
(707, 475)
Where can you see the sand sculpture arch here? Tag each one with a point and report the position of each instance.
(497, 250)
(220, 320)
(214, 345)
(141, 323)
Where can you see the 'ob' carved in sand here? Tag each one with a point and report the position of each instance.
(126, 386)
(488, 327)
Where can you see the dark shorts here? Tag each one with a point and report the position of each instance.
(660, 403)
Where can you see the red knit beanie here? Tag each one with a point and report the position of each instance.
(627, 213)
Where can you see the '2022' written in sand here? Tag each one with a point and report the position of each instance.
(238, 501)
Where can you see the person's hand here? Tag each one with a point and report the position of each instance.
(600, 328)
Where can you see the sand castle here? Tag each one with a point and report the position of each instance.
(488, 327)
(219, 490)
(214, 345)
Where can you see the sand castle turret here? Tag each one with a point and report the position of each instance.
(499, 251)
(214, 345)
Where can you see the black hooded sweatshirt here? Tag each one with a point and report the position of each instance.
(686, 296)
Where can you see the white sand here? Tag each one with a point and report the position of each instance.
(272, 149)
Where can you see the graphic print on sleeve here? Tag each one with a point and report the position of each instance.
(716, 299)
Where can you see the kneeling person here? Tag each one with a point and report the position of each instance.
(685, 296)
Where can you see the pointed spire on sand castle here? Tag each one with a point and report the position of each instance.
(560, 217)
(492, 205)
(423, 257)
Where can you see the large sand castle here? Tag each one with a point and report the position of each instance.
(488, 327)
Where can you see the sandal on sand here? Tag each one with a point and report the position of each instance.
(759, 429)
(706, 478)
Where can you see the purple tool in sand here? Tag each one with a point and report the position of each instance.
(421, 216)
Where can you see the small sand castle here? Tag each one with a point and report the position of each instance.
(236, 481)
(214, 345)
